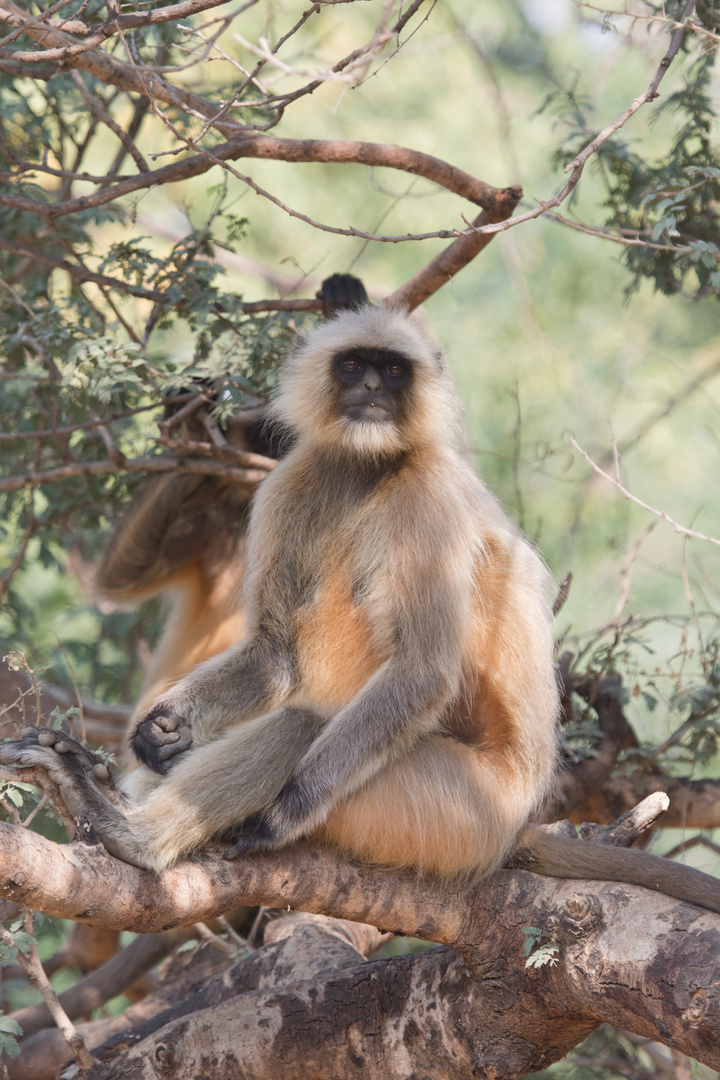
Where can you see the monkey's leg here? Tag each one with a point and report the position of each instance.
(216, 787)
(137, 784)
(396, 707)
(208, 792)
(241, 683)
(440, 808)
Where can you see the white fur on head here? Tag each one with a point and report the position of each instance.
(306, 397)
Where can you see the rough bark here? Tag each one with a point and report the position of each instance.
(313, 1012)
(626, 956)
(298, 947)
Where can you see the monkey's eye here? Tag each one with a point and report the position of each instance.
(395, 369)
(351, 364)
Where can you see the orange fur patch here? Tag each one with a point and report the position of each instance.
(441, 808)
(336, 653)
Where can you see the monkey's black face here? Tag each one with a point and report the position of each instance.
(373, 384)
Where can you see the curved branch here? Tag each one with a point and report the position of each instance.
(251, 144)
(446, 265)
(82, 882)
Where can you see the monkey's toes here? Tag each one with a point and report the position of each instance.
(242, 847)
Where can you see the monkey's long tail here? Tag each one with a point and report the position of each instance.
(556, 856)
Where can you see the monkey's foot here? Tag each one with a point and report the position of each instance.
(286, 819)
(253, 834)
(67, 763)
(159, 738)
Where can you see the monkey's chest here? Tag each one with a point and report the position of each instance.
(336, 652)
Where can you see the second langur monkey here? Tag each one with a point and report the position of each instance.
(395, 695)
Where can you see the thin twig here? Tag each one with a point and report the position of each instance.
(28, 534)
(694, 841)
(70, 429)
(78, 272)
(639, 502)
(97, 110)
(30, 962)
(206, 933)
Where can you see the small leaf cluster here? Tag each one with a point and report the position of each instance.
(689, 700)
(670, 202)
(538, 952)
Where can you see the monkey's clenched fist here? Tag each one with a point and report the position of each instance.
(160, 738)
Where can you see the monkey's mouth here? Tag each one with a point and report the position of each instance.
(371, 410)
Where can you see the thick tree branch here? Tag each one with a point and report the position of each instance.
(444, 266)
(625, 956)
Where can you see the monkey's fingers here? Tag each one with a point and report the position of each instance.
(167, 721)
(159, 737)
(163, 738)
(167, 753)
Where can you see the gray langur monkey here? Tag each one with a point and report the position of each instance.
(395, 695)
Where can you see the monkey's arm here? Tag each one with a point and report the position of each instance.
(239, 684)
(400, 703)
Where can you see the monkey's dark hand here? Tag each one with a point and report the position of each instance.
(159, 739)
(286, 819)
(255, 833)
